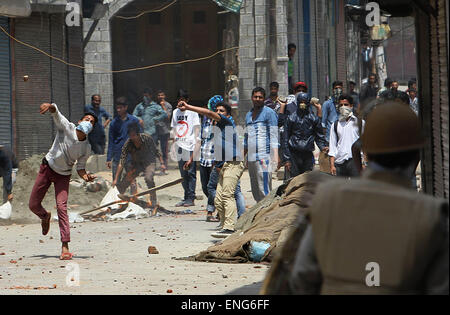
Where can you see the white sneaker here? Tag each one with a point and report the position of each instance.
(222, 233)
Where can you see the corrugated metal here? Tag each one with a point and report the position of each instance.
(34, 132)
(443, 48)
(60, 94)
(49, 80)
(341, 62)
(436, 113)
(5, 86)
(439, 108)
(322, 49)
(442, 37)
(75, 75)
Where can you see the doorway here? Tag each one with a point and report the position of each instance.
(188, 29)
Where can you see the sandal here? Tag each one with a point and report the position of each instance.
(211, 218)
(66, 256)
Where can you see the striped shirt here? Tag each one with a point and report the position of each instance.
(144, 155)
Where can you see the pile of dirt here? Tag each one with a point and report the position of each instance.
(79, 198)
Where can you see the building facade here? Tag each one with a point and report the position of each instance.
(29, 77)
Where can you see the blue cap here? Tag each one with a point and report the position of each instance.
(213, 101)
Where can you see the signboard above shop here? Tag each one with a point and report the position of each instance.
(230, 5)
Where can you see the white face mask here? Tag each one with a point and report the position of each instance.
(346, 112)
(85, 127)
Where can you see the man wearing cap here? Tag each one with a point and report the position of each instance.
(69, 147)
(376, 235)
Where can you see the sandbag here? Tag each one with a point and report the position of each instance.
(271, 221)
(5, 211)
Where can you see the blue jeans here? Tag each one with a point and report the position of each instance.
(205, 173)
(211, 189)
(189, 176)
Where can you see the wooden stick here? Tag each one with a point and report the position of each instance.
(128, 198)
(145, 192)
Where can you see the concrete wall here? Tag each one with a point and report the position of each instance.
(98, 57)
(254, 53)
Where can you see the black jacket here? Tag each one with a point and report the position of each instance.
(368, 93)
(300, 132)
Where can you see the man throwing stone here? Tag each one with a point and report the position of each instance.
(70, 146)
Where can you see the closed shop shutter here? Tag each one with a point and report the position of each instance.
(443, 48)
(442, 37)
(34, 132)
(5, 86)
(322, 52)
(439, 108)
(58, 48)
(76, 75)
(49, 80)
(341, 63)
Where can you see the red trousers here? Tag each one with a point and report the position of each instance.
(45, 178)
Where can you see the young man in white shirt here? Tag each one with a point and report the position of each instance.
(186, 127)
(343, 133)
(70, 146)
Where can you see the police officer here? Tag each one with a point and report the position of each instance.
(376, 235)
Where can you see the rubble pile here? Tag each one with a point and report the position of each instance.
(81, 196)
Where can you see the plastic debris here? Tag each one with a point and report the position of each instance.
(257, 250)
(5, 211)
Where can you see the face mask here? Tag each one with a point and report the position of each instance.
(337, 93)
(346, 112)
(146, 100)
(302, 106)
(85, 127)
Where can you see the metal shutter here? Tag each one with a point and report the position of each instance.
(5, 86)
(443, 48)
(76, 75)
(60, 94)
(34, 132)
(440, 102)
(341, 63)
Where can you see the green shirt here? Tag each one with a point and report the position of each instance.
(150, 114)
(290, 68)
